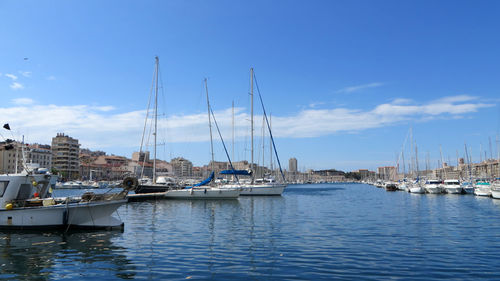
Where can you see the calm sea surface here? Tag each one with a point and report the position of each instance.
(312, 232)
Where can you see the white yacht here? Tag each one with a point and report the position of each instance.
(495, 190)
(482, 188)
(434, 186)
(467, 187)
(452, 186)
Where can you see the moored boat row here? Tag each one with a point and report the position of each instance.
(450, 186)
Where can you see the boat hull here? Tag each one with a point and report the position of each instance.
(95, 215)
(433, 189)
(262, 190)
(495, 192)
(482, 191)
(468, 189)
(203, 193)
(453, 190)
(418, 189)
(151, 188)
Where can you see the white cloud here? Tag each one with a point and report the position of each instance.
(98, 127)
(315, 104)
(51, 78)
(11, 76)
(352, 89)
(104, 108)
(25, 73)
(16, 86)
(23, 101)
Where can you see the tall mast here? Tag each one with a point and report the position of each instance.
(210, 127)
(271, 145)
(157, 62)
(442, 162)
(232, 123)
(416, 160)
(263, 143)
(412, 167)
(251, 120)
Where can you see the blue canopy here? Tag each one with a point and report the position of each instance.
(236, 172)
(207, 180)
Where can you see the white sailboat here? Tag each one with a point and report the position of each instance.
(156, 184)
(416, 186)
(264, 186)
(205, 189)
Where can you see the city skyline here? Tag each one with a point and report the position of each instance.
(343, 82)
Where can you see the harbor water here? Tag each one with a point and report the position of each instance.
(312, 232)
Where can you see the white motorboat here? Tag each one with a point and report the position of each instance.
(25, 202)
(434, 186)
(468, 188)
(482, 188)
(452, 186)
(73, 185)
(495, 190)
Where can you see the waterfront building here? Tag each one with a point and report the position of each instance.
(182, 167)
(39, 154)
(365, 174)
(292, 165)
(387, 172)
(65, 156)
(8, 159)
(142, 156)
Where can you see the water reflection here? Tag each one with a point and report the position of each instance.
(55, 255)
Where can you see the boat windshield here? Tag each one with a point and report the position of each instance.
(434, 182)
(3, 187)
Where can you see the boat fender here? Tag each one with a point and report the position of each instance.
(130, 183)
(205, 191)
(9, 206)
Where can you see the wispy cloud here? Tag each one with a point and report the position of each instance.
(11, 76)
(91, 123)
(23, 101)
(16, 86)
(352, 89)
(25, 73)
(51, 78)
(315, 104)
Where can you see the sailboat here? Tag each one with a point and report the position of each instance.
(263, 186)
(155, 184)
(205, 189)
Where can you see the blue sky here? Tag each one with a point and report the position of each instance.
(343, 80)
